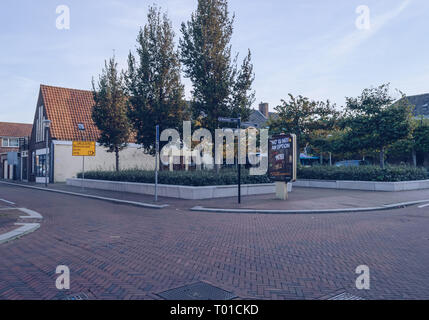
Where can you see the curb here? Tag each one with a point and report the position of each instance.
(25, 228)
(321, 211)
(133, 203)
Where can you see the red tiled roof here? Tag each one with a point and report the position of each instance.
(15, 130)
(66, 108)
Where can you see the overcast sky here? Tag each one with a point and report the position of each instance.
(308, 47)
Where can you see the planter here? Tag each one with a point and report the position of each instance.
(179, 192)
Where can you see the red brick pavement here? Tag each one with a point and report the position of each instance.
(123, 252)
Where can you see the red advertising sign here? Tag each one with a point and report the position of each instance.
(282, 157)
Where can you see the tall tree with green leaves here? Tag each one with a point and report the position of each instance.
(156, 94)
(110, 109)
(374, 121)
(309, 120)
(219, 88)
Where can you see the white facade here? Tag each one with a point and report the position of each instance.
(66, 166)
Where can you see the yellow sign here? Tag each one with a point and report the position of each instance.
(83, 149)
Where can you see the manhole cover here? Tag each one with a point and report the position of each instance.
(79, 296)
(197, 291)
(345, 296)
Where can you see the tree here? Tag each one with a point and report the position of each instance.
(373, 121)
(416, 143)
(156, 94)
(307, 119)
(219, 89)
(110, 109)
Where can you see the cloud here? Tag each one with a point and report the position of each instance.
(358, 37)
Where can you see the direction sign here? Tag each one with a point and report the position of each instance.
(83, 149)
(282, 158)
(229, 120)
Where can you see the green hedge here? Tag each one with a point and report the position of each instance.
(229, 177)
(185, 178)
(364, 173)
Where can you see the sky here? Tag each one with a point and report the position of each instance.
(315, 48)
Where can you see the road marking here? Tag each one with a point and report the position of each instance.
(31, 214)
(25, 228)
(8, 202)
(424, 206)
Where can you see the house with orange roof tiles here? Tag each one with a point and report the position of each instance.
(63, 116)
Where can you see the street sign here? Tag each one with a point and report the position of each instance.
(83, 149)
(228, 120)
(282, 158)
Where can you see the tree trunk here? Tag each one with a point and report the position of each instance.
(117, 158)
(382, 158)
(414, 158)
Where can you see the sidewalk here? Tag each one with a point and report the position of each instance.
(299, 199)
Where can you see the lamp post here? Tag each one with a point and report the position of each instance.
(81, 129)
(47, 124)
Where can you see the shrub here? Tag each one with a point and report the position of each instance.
(364, 173)
(229, 177)
(185, 178)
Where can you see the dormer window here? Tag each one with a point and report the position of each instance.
(81, 126)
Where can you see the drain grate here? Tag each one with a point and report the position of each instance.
(345, 296)
(79, 296)
(197, 291)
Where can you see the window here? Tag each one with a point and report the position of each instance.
(81, 126)
(10, 142)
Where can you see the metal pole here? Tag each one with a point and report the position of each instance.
(83, 173)
(46, 158)
(238, 159)
(157, 163)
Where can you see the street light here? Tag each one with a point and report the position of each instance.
(330, 153)
(47, 124)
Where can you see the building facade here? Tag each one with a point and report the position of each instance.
(13, 163)
(70, 114)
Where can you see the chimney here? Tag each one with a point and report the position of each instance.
(263, 108)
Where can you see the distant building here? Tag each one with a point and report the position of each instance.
(11, 136)
(259, 118)
(70, 113)
(421, 103)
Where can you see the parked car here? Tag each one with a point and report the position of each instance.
(351, 163)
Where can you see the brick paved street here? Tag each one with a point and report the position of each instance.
(124, 252)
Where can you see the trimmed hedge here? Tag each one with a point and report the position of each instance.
(184, 178)
(364, 173)
(229, 177)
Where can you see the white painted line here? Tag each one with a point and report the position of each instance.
(31, 214)
(7, 209)
(8, 202)
(21, 231)
(424, 206)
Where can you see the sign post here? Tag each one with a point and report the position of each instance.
(282, 162)
(157, 163)
(83, 149)
(238, 122)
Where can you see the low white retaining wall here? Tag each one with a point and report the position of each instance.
(364, 185)
(180, 192)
